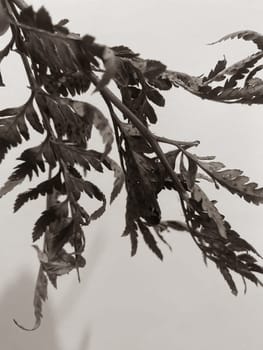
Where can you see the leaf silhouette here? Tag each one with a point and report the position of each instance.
(149, 239)
(131, 230)
(248, 35)
(32, 161)
(227, 276)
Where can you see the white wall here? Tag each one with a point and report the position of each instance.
(140, 303)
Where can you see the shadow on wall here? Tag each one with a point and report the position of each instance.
(16, 302)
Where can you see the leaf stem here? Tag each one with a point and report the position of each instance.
(176, 143)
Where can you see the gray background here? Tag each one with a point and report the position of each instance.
(140, 303)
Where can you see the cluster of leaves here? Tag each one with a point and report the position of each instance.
(59, 66)
(239, 82)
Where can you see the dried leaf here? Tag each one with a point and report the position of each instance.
(44, 188)
(39, 297)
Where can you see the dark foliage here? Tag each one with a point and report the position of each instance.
(60, 65)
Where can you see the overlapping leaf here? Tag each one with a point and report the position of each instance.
(86, 110)
(44, 188)
(209, 207)
(32, 162)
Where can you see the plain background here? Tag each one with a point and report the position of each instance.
(141, 303)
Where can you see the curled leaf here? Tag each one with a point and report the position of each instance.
(40, 296)
(248, 35)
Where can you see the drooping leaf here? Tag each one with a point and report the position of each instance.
(131, 231)
(149, 239)
(32, 117)
(227, 276)
(40, 296)
(155, 97)
(119, 177)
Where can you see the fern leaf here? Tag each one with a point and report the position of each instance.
(237, 70)
(49, 216)
(233, 181)
(248, 35)
(131, 230)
